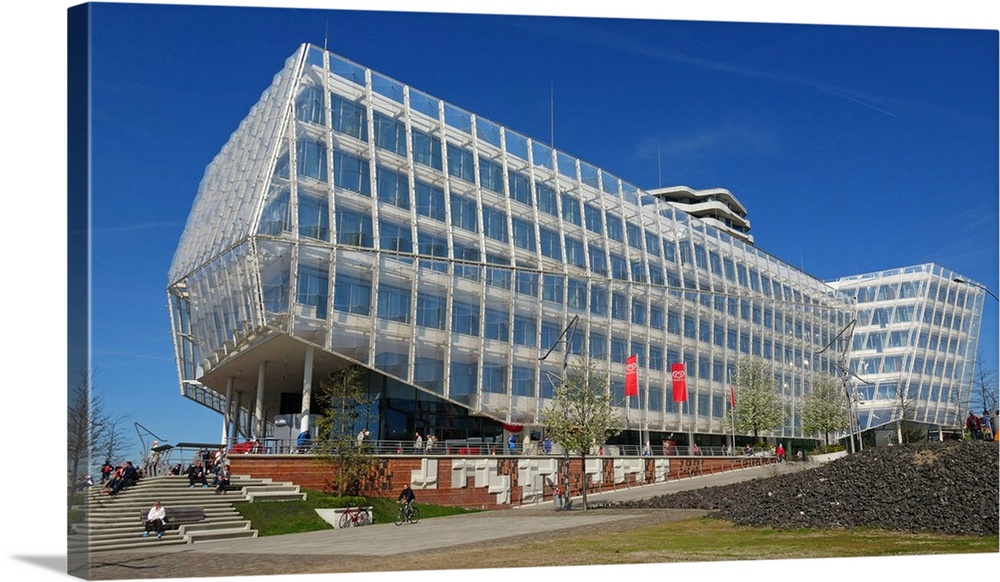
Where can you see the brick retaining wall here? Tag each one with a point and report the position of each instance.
(488, 482)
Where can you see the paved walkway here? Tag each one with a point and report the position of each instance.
(387, 539)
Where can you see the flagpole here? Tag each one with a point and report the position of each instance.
(732, 408)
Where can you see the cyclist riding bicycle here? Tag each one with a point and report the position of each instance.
(408, 495)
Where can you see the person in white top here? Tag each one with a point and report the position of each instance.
(155, 519)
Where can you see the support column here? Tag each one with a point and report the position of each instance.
(227, 416)
(307, 373)
(258, 414)
(237, 403)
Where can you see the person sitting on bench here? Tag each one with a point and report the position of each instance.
(155, 519)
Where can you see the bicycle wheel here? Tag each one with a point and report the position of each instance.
(414, 514)
(345, 520)
(400, 516)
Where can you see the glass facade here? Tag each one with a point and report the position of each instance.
(914, 345)
(359, 220)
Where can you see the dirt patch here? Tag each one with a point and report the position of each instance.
(925, 457)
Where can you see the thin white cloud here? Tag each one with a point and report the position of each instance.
(133, 227)
(605, 39)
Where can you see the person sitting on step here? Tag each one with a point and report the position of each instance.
(196, 474)
(222, 479)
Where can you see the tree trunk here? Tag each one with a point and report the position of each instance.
(583, 480)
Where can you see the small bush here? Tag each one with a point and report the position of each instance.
(826, 449)
(334, 501)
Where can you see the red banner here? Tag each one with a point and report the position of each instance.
(732, 396)
(632, 376)
(679, 377)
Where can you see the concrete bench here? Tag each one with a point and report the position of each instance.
(178, 516)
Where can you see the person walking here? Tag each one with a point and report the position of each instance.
(972, 423)
(153, 461)
(986, 426)
(418, 443)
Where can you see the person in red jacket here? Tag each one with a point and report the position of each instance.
(972, 423)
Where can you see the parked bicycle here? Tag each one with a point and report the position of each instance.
(411, 515)
(355, 516)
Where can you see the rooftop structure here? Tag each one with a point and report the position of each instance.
(715, 206)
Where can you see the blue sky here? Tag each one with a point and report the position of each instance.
(854, 148)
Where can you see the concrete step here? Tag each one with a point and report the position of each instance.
(114, 530)
(276, 496)
(190, 533)
(214, 535)
(112, 522)
(135, 541)
(215, 525)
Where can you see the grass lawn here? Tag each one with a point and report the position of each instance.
(283, 517)
(707, 539)
(692, 540)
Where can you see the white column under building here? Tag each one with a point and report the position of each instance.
(307, 389)
(258, 407)
(227, 417)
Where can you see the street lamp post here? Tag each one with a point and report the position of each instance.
(983, 287)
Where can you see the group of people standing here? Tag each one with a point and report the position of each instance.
(423, 445)
(982, 428)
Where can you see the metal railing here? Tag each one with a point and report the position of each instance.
(181, 457)
(463, 447)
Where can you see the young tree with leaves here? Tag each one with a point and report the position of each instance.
(824, 409)
(905, 396)
(581, 413)
(758, 407)
(342, 400)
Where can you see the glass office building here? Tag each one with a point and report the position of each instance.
(354, 219)
(914, 346)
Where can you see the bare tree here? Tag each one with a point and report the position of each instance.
(984, 387)
(86, 426)
(581, 415)
(758, 407)
(342, 400)
(111, 442)
(825, 409)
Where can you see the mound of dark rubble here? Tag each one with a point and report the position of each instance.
(948, 487)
